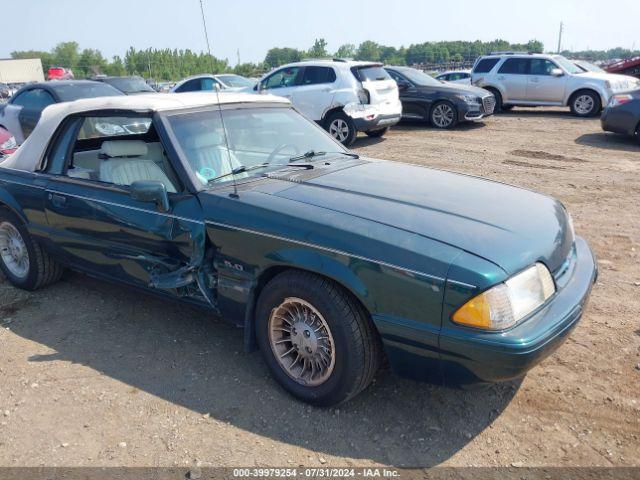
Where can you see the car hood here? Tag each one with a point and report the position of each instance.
(454, 88)
(509, 226)
(617, 81)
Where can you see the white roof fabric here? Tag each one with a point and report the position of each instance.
(30, 154)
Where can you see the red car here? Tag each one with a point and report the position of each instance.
(8, 143)
(59, 73)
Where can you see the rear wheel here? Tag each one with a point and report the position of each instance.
(638, 133)
(506, 108)
(22, 259)
(377, 133)
(585, 103)
(342, 128)
(317, 341)
(444, 115)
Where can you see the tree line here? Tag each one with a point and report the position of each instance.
(168, 64)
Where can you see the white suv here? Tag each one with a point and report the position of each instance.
(540, 79)
(345, 97)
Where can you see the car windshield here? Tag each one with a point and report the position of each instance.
(419, 77)
(257, 139)
(589, 67)
(568, 65)
(73, 91)
(129, 84)
(236, 81)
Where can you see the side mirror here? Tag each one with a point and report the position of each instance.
(402, 86)
(557, 72)
(151, 191)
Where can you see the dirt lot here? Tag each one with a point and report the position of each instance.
(92, 374)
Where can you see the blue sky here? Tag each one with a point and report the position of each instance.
(253, 26)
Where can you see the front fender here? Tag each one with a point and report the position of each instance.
(8, 200)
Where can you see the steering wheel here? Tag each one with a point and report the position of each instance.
(280, 148)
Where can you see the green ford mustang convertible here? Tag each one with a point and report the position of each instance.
(330, 262)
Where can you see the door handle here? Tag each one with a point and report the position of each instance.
(501, 77)
(534, 80)
(57, 200)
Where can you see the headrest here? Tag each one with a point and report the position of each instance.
(123, 148)
(203, 140)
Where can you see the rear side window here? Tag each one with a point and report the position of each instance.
(317, 75)
(515, 66)
(485, 65)
(370, 73)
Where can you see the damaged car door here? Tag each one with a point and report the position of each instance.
(117, 208)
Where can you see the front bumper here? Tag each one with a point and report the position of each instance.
(476, 111)
(620, 119)
(488, 357)
(464, 356)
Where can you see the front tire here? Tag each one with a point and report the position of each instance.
(377, 133)
(342, 128)
(444, 115)
(585, 103)
(317, 341)
(22, 260)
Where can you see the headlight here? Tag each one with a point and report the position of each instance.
(506, 304)
(468, 98)
(9, 144)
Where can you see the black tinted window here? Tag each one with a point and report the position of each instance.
(485, 65)
(190, 86)
(37, 99)
(315, 75)
(516, 66)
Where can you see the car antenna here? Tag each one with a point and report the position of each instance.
(217, 87)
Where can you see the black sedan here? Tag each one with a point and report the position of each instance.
(22, 112)
(622, 114)
(442, 104)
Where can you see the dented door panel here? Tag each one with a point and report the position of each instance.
(101, 229)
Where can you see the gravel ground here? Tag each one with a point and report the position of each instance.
(95, 375)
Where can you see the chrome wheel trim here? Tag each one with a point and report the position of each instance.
(301, 342)
(13, 250)
(442, 115)
(339, 129)
(584, 104)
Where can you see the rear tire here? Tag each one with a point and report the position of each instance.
(585, 103)
(377, 133)
(638, 134)
(341, 127)
(341, 342)
(506, 108)
(22, 260)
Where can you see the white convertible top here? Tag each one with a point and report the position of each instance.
(30, 154)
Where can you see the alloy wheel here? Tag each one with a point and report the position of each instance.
(301, 342)
(339, 129)
(13, 250)
(442, 115)
(584, 104)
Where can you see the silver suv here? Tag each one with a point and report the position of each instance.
(534, 79)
